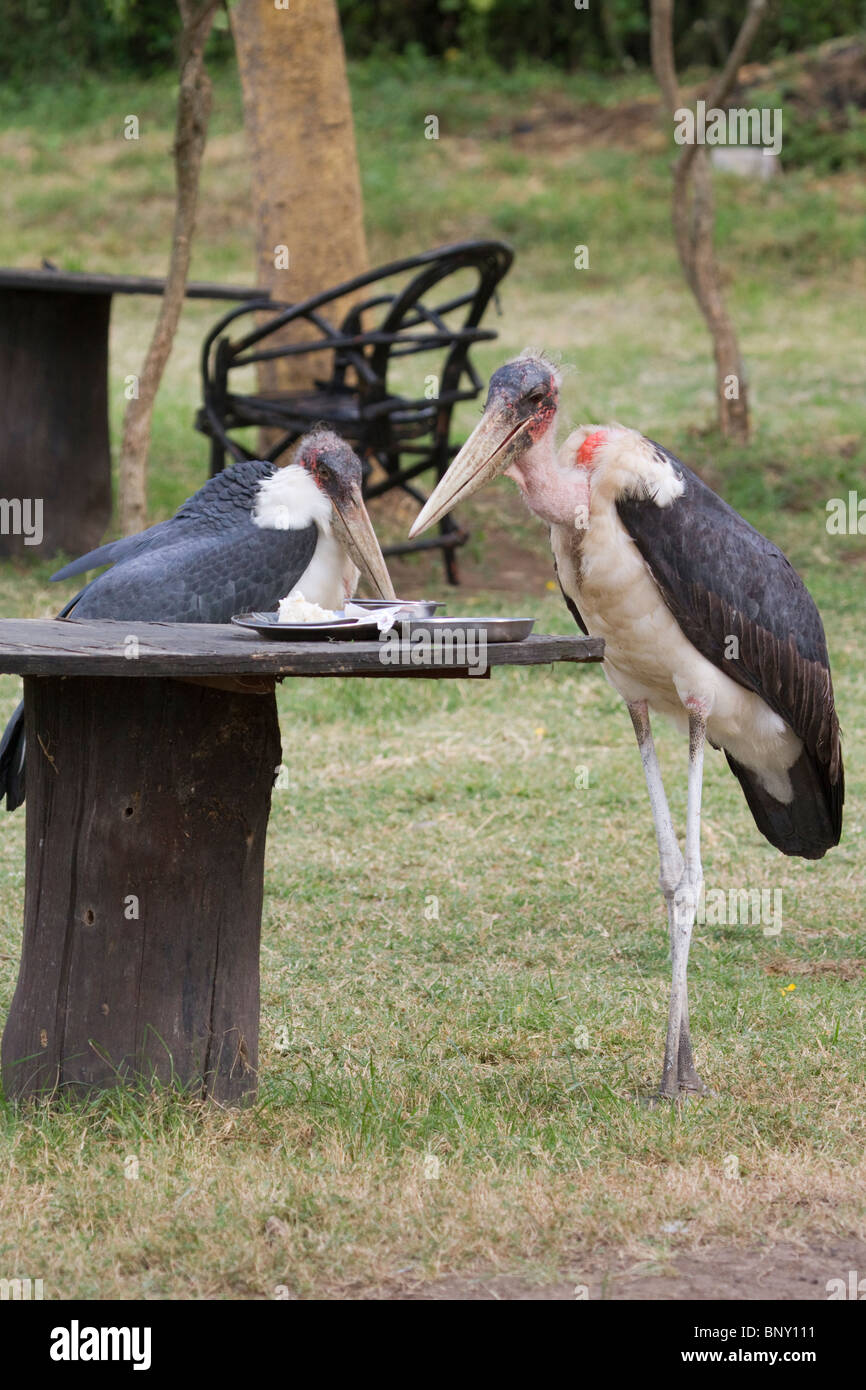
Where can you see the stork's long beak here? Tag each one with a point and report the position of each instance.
(351, 524)
(490, 448)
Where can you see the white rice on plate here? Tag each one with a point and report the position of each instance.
(296, 609)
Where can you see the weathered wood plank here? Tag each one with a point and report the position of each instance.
(147, 807)
(83, 282)
(62, 647)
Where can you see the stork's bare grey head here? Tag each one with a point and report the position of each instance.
(332, 463)
(522, 402)
(526, 390)
(336, 470)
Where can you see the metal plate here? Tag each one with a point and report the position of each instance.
(339, 629)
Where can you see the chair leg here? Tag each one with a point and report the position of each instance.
(447, 525)
(452, 569)
(217, 456)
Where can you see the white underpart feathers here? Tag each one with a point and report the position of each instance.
(289, 501)
(647, 655)
(330, 578)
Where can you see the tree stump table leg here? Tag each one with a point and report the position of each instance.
(147, 808)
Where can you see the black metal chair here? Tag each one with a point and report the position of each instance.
(406, 433)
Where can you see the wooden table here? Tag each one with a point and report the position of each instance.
(151, 755)
(54, 443)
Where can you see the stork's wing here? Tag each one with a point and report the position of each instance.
(569, 601)
(219, 504)
(114, 551)
(203, 578)
(744, 607)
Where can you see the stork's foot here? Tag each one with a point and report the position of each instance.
(680, 1075)
(693, 1084)
(688, 1072)
(682, 1084)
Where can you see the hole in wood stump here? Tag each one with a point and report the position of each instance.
(89, 917)
(129, 811)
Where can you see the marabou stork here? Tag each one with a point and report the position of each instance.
(245, 540)
(703, 619)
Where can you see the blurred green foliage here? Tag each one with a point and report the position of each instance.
(42, 39)
(599, 34)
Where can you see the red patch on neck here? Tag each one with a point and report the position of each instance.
(589, 446)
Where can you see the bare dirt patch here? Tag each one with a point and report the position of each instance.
(825, 85)
(499, 525)
(556, 125)
(845, 969)
(726, 1273)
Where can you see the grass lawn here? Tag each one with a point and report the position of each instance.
(464, 963)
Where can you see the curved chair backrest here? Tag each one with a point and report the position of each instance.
(408, 309)
(370, 351)
(424, 310)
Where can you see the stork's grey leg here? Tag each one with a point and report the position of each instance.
(679, 1068)
(670, 858)
(671, 866)
(680, 881)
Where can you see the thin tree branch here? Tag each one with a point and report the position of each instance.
(662, 52)
(193, 114)
(664, 65)
(742, 43)
(693, 210)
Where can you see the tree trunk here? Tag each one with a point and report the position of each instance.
(694, 214)
(306, 185)
(193, 114)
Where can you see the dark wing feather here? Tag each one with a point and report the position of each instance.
(114, 551)
(219, 504)
(722, 579)
(206, 564)
(569, 601)
(203, 578)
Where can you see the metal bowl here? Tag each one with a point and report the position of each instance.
(408, 608)
(492, 629)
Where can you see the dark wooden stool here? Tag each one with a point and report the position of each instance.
(54, 443)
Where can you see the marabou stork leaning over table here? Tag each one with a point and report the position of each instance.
(245, 540)
(703, 620)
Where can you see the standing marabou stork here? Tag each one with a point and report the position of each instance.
(703, 620)
(249, 537)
